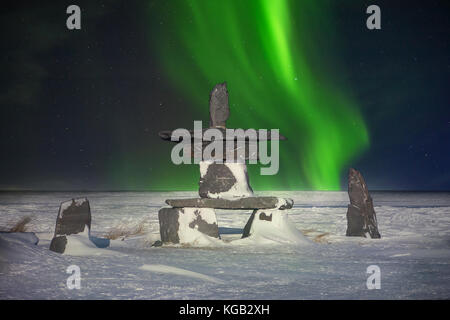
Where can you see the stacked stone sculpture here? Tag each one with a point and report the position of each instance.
(222, 185)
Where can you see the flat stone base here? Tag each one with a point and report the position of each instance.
(247, 203)
(181, 225)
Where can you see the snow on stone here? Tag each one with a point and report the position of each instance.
(240, 188)
(204, 167)
(283, 202)
(67, 204)
(279, 229)
(207, 214)
(192, 236)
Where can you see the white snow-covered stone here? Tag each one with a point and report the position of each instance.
(224, 180)
(204, 167)
(274, 225)
(285, 203)
(188, 225)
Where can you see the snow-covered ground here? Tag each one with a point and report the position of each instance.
(413, 253)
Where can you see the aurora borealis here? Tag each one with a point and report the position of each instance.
(260, 49)
(81, 110)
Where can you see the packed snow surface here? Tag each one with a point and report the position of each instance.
(413, 254)
(159, 268)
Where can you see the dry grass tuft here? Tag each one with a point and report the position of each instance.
(316, 235)
(307, 231)
(21, 225)
(124, 231)
(321, 238)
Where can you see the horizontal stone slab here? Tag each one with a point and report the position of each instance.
(234, 152)
(247, 203)
(167, 135)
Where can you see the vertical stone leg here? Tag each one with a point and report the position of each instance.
(181, 225)
(248, 225)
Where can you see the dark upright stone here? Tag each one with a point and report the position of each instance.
(361, 217)
(169, 225)
(73, 217)
(218, 106)
(248, 225)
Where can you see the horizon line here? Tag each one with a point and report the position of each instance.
(194, 190)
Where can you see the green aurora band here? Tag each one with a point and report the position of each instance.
(277, 58)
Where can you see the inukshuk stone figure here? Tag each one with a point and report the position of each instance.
(361, 217)
(222, 185)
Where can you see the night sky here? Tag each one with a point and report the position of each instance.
(81, 109)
